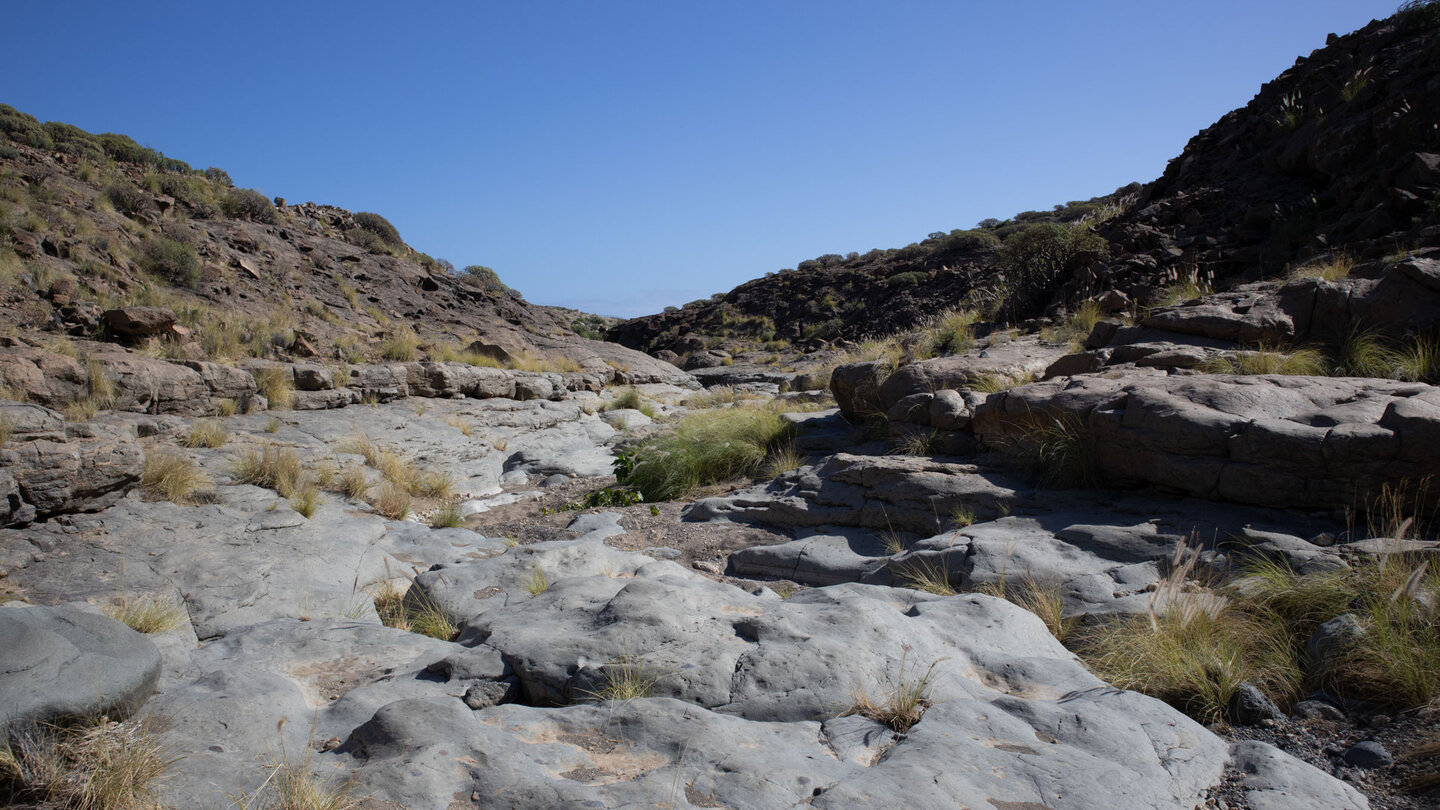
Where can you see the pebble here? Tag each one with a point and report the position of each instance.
(1368, 755)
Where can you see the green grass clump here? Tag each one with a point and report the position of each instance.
(1057, 450)
(1300, 362)
(630, 398)
(173, 261)
(1332, 269)
(1194, 659)
(951, 332)
(705, 448)
(306, 499)
(402, 345)
(447, 516)
(1419, 360)
(1365, 354)
(628, 678)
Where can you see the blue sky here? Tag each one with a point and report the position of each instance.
(622, 156)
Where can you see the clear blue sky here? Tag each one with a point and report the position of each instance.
(620, 156)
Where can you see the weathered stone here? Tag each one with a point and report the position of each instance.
(137, 323)
(64, 664)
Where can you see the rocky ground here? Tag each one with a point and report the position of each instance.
(712, 653)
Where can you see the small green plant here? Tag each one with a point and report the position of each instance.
(782, 459)
(951, 332)
(170, 476)
(173, 261)
(1290, 113)
(627, 678)
(1332, 269)
(961, 516)
(923, 574)
(916, 443)
(351, 482)
(447, 516)
(1419, 360)
(609, 497)
(1357, 82)
(630, 398)
(306, 499)
(206, 433)
(536, 582)
(1058, 450)
(403, 344)
(902, 705)
(705, 448)
(1306, 362)
(146, 614)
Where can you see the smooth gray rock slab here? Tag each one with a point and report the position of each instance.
(61, 663)
(1276, 781)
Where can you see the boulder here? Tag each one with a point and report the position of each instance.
(55, 473)
(149, 385)
(62, 664)
(856, 387)
(50, 379)
(1016, 361)
(136, 323)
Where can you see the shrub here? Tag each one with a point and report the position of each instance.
(220, 176)
(705, 448)
(632, 399)
(127, 199)
(380, 226)
(173, 261)
(249, 204)
(1041, 257)
(172, 477)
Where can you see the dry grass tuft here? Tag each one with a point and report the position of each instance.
(627, 678)
(170, 476)
(923, 574)
(98, 766)
(392, 501)
(537, 583)
(206, 433)
(1332, 269)
(272, 467)
(903, 704)
(306, 499)
(277, 385)
(146, 614)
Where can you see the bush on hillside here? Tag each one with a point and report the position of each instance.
(173, 261)
(23, 128)
(380, 226)
(126, 199)
(249, 203)
(1041, 257)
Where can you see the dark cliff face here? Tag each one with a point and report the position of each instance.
(1341, 153)
(1336, 154)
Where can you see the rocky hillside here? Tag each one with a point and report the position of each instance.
(1339, 154)
(90, 223)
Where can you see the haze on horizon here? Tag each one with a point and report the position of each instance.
(626, 156)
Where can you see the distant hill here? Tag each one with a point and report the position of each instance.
(1339, 154)
(93, 222)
